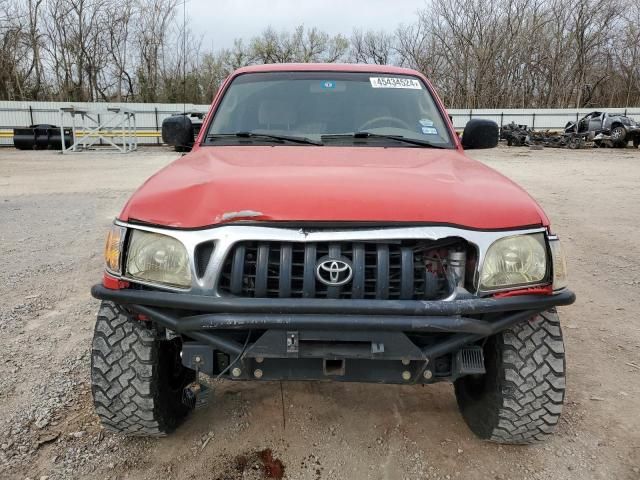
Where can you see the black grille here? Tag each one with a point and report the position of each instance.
(382, 270)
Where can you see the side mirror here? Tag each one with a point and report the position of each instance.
(177, 130)
(480, 133)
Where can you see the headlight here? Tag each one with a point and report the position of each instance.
(514, 261)
(113, 249)
(157, 258)
(560, 277)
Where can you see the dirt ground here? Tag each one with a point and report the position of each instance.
(54, 213)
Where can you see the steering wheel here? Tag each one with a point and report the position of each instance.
(386, 120)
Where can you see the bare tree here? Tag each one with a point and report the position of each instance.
(628, 59)
(151, 38)
(118, 38)
(372, 47)
(478, 53)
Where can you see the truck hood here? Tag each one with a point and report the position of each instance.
(214, 185)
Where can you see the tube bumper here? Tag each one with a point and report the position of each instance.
(295, 306)
(381, 341)
(214, 320)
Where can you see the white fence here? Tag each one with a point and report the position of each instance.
(149, 116)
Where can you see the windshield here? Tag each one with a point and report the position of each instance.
(328, 108)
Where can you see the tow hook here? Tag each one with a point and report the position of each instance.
(196, 395)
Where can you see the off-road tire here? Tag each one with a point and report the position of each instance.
(519, 399)
(636, 142)
(137, 379)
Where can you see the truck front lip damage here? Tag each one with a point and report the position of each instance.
(371, 334)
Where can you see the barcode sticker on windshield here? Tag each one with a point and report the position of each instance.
(395, 82)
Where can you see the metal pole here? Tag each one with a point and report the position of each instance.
(73, 128)
(63, 145)
(129, 137)
(127, 128)
(85, 128)
(132, 122)
(135, 132)
(100, 121)
(31, 115)
(157, 130)
(533, 122)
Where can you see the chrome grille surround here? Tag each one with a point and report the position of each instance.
(226, 236)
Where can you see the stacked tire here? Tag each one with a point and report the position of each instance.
(41, 137)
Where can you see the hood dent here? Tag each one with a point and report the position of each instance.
(215, 185)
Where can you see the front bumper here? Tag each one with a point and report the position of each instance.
(633, 131)
(310, 331)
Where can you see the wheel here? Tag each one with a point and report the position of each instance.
(137, 379)
(619, 136)
(519, 399)
(636, 142)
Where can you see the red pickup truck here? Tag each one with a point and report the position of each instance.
(327, 225)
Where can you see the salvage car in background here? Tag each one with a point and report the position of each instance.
(327, 225)
(618, 129)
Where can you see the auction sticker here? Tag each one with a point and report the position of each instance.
(395, 82)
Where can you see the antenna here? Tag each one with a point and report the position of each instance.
(184, 57)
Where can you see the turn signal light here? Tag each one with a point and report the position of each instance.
(113, 249)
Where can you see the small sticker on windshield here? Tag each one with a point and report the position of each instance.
(395, 82)
(429, 130)
(425, 122)
(328, 84)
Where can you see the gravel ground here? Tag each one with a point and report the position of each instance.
(54, 213)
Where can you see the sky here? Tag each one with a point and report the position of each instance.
(219, 22)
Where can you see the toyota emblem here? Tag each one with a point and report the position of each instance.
(334, 271)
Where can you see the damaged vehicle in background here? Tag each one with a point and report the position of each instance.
(607, 129)
(327, 225)
(521, 135)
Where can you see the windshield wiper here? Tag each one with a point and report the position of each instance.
(266, 136)
(399, 138)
